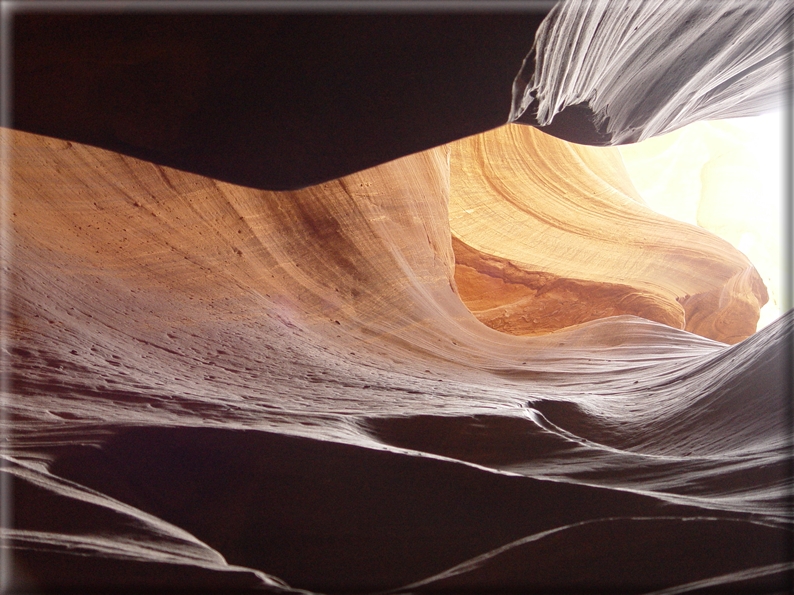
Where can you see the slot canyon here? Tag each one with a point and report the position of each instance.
(363, 300)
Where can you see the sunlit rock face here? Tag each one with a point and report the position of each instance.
(205, 377)
(549, 234)
(513, 300)
(726, 177)
(209, 383)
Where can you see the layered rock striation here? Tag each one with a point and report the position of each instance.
(203, 379)
(237, 352)
(548, 234)
(610, 73)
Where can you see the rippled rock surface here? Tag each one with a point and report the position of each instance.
(216, 385)
(610, 73)
(548, 234)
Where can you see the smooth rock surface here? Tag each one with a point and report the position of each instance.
(549, 234)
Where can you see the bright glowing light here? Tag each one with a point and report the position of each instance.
(727, 177)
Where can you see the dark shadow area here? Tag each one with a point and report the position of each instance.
(491, 440)
(644, 554)
(77, 568)
(268, 100)
(519, 445)
(339, 518)
(575, 123)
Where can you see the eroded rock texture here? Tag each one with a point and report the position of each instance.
(203, 334)
(550, 233)
(610, 73)
(209, 384)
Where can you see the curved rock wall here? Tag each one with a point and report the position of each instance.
(202, 379)
(211, 385)
(549, 234)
